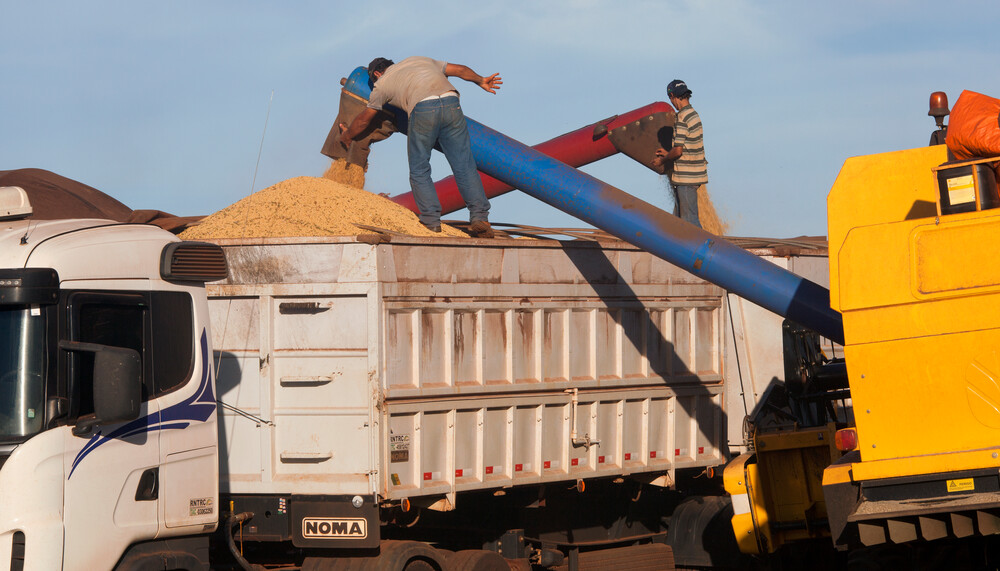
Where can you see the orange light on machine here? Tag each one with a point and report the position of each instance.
(938, 104)
(846, 439)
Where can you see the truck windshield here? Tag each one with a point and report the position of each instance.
(22, 378)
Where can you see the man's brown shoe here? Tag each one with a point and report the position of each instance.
(481, 229)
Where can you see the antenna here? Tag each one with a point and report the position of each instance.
(260, 149)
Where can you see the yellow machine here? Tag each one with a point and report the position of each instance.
(915, 272)
(916, 276)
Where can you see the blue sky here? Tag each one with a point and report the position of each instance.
(163, 105)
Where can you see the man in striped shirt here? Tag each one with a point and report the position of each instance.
(688, 154)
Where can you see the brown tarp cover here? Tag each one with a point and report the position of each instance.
(56, 197)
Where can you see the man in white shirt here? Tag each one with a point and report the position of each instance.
(420, 87)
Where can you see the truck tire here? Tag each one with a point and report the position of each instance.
(410, 556)
(393, 556)
(477, 560)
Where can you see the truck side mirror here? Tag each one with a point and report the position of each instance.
(117, 384)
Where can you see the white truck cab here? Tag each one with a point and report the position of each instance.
(108, 438)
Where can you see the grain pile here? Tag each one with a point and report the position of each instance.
(311, 206)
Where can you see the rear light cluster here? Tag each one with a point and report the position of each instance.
(846, 439)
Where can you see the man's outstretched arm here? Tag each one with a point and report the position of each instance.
(359, 124)
(491, 83)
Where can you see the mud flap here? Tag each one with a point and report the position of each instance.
(701, 535)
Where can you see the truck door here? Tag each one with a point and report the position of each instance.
(189, 459)
(112, 483)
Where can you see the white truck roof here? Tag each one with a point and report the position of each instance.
(84, 249)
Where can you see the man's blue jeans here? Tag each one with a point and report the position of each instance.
(441, 122)
(686, 203)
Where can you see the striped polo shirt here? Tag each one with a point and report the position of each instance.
(691, 167)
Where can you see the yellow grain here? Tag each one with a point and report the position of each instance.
(311, 206)
(707, 215)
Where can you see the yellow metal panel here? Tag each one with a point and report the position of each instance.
(931, 464)
(925, 267)
(790, 466)
(911, 260)
(758, 508)
(793, 439)
(874, 266)
(837, 474)
(877, 189)
(736, 481)
(957, 257)
(746, 534)
(928, 395)
(921, 319)
(920, 296)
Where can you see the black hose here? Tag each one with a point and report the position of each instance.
(231, 522)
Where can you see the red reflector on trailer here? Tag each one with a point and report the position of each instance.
(846, 439)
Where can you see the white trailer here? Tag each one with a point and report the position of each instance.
(410, 374)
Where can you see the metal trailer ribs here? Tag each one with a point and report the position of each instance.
(423, 368)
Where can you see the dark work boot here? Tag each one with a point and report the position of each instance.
(481, 229)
